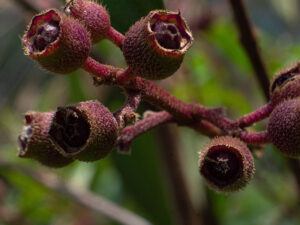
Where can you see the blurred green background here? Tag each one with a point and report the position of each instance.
(215, 72)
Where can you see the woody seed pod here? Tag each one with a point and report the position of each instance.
(35, 143)
(86, 131)
(154, 47)
(284, 128)
(57, 42)
(93, 15)
(226, 164)
(286, 85)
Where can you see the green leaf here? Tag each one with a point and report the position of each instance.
(124, 13)
(143, 178)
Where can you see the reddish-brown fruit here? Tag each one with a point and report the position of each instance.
(286, 85)
(226, 164)
(284, 128)
(93, 15)
(154, 47)
(35, 143)
(86, 131)
(57, 42)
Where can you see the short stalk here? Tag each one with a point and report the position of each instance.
(260, 137)
(128, 134)
(255, 116)
(104, 72)
(126, 114)
(125, 76)
(115, 37)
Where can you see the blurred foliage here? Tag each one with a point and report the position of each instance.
(215, 72)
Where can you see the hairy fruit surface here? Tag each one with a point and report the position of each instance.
(286, 85)
(35, 143)
(226, 164)
(92, 15)
(284, 127)
(86, 131)
(57, 42)
(154, 47)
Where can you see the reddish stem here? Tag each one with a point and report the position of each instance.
(162, 99)
(131, 132)
(104, 72)
(255, 116)
(116, 37)
(207, 128)
(187, 113)
(260, 137)
(126, 114)
(125, 76)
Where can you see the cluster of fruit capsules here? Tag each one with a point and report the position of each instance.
(153, 48)
(227, 164)
(60, 42)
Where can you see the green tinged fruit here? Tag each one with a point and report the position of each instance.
(284, 128)
(154, 47)
(59, 43)
(92, 15)
(226, 164)
(86, 131)
(35, 143)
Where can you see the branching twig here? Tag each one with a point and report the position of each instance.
(183, 112)
(257, 115)
(255, 137)
(248, 40)
(126, 114)
(131, 132)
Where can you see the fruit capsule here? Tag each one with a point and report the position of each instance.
(59, 43)
(284, 128)
(35, 143)
(154, 47)
(86, 131)
(92, 15)
(286, 85)
(226, 164)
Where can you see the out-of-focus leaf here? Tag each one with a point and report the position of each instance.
(77, 93)
(143, 179)
(225, 36)
(125, 12)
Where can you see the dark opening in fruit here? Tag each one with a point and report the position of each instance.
(222, 165)
(69, 129)
(43, 31)
(281, 79)
(170, 30)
